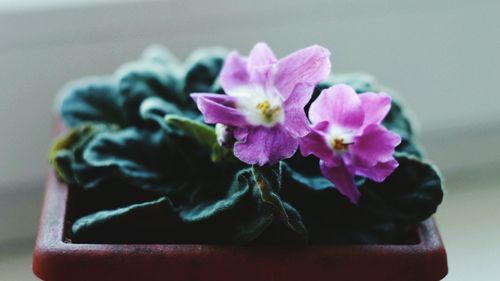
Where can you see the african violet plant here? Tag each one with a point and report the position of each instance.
(244, 150)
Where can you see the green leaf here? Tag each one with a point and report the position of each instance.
(386, 210)
(234, 215)
(410, 147)
(247, 212)
(207, 209)
(147, 222)
(161, 55)
(90, 100)
(65, 149)
(222, 154)
(330, 218)
(202, 134)
(397, 119)
(139, 80)
(409, 195)
(251, 228)
(140, 157)
(268, 183)
(155, 109)
(202, 69)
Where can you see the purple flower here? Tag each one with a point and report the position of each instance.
(265, 99)
(348, 138)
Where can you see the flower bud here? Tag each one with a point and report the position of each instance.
(225, 135)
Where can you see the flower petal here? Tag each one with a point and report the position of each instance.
(264, 145)
(376, 107)
(339, 105)
(234, 73)
(300, 96)
(296, 120)
(218, 108)
(343, 180)
(309, 65)
(376, 144)
(260, 64)
(261, 55)
(315, 143)
(241, 134)
(261, 76)
(380, 171)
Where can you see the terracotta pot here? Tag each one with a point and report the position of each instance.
(55, 259)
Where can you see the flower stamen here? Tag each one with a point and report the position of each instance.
(269, 113)
(339, 144)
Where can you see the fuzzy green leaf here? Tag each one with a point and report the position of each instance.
(268, 183)
(90, 100)
(330, 218)
(140, 80)
(155, 109)
(248, 211)
(235, 215)
(386, 210)
(161, 55)
(141, 157)
(207, 209)
(202, 69)
(202, 134)
(65, 150)
(409, 195)
(147, 222)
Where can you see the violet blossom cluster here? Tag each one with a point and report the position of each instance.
(262, 112)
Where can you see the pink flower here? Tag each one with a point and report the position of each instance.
(348, 138)
(264, 100)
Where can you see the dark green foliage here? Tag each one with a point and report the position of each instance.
(92, 100)
(141, 80)
(252, 216)
(156, 74)
(136, 156)
(155, 109)
(202, 69)
(66, 152)
(411, 194)
(156, 218)
(144, 168)
(244, 204)
(386, 211)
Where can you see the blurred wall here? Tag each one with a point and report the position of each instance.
(442, 56)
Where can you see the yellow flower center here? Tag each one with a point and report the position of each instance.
(260, 107)
(339, 144)
(269, 113)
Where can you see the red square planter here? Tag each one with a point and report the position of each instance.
(55, 259)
